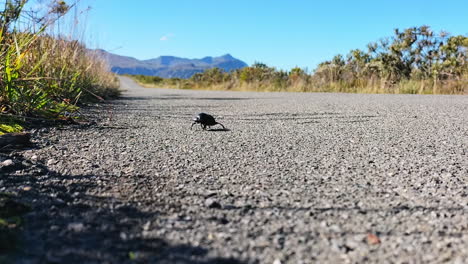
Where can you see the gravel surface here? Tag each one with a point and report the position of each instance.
(297, 178)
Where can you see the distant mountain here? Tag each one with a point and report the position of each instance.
(169, 66)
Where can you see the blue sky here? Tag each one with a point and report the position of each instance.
(282, 34)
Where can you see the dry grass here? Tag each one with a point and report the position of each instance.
(367, 87)
(44, 75)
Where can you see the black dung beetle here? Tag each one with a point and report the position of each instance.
(205, 120)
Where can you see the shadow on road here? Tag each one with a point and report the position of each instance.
(219, 130)
(68, 225)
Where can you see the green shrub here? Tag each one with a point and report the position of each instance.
(415, 60)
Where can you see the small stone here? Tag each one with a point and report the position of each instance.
(351, 245)
(26, 163)
(146, 226)
(277, 261)
(373, 239)
(76, 227)
(27, 188)
(212, 203)
(7, 163)
(51, 162)
(211, 236)
(335, 228)
(223, 221)
(210, 194)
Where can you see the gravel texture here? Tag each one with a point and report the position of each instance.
(296, 178)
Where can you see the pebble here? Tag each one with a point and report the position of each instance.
(147, 226)
(76, 227)
(277, 261)
(8, 163)
(212, 203)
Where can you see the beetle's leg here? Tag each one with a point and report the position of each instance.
(192, 125)
(203, 126)
(221, 125)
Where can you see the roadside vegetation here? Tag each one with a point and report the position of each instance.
(43, 72)
(412, 61)
(44, 75)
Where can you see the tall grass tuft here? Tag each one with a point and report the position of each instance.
(42, 74)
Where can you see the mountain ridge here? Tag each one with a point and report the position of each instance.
(168, 66)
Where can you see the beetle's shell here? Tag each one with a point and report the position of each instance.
(205, 119)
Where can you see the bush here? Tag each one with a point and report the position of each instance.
(414, 60)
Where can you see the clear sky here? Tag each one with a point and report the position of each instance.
(282, 34)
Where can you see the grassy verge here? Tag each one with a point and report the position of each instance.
(42, 75)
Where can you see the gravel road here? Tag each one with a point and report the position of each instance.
(297, 178)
